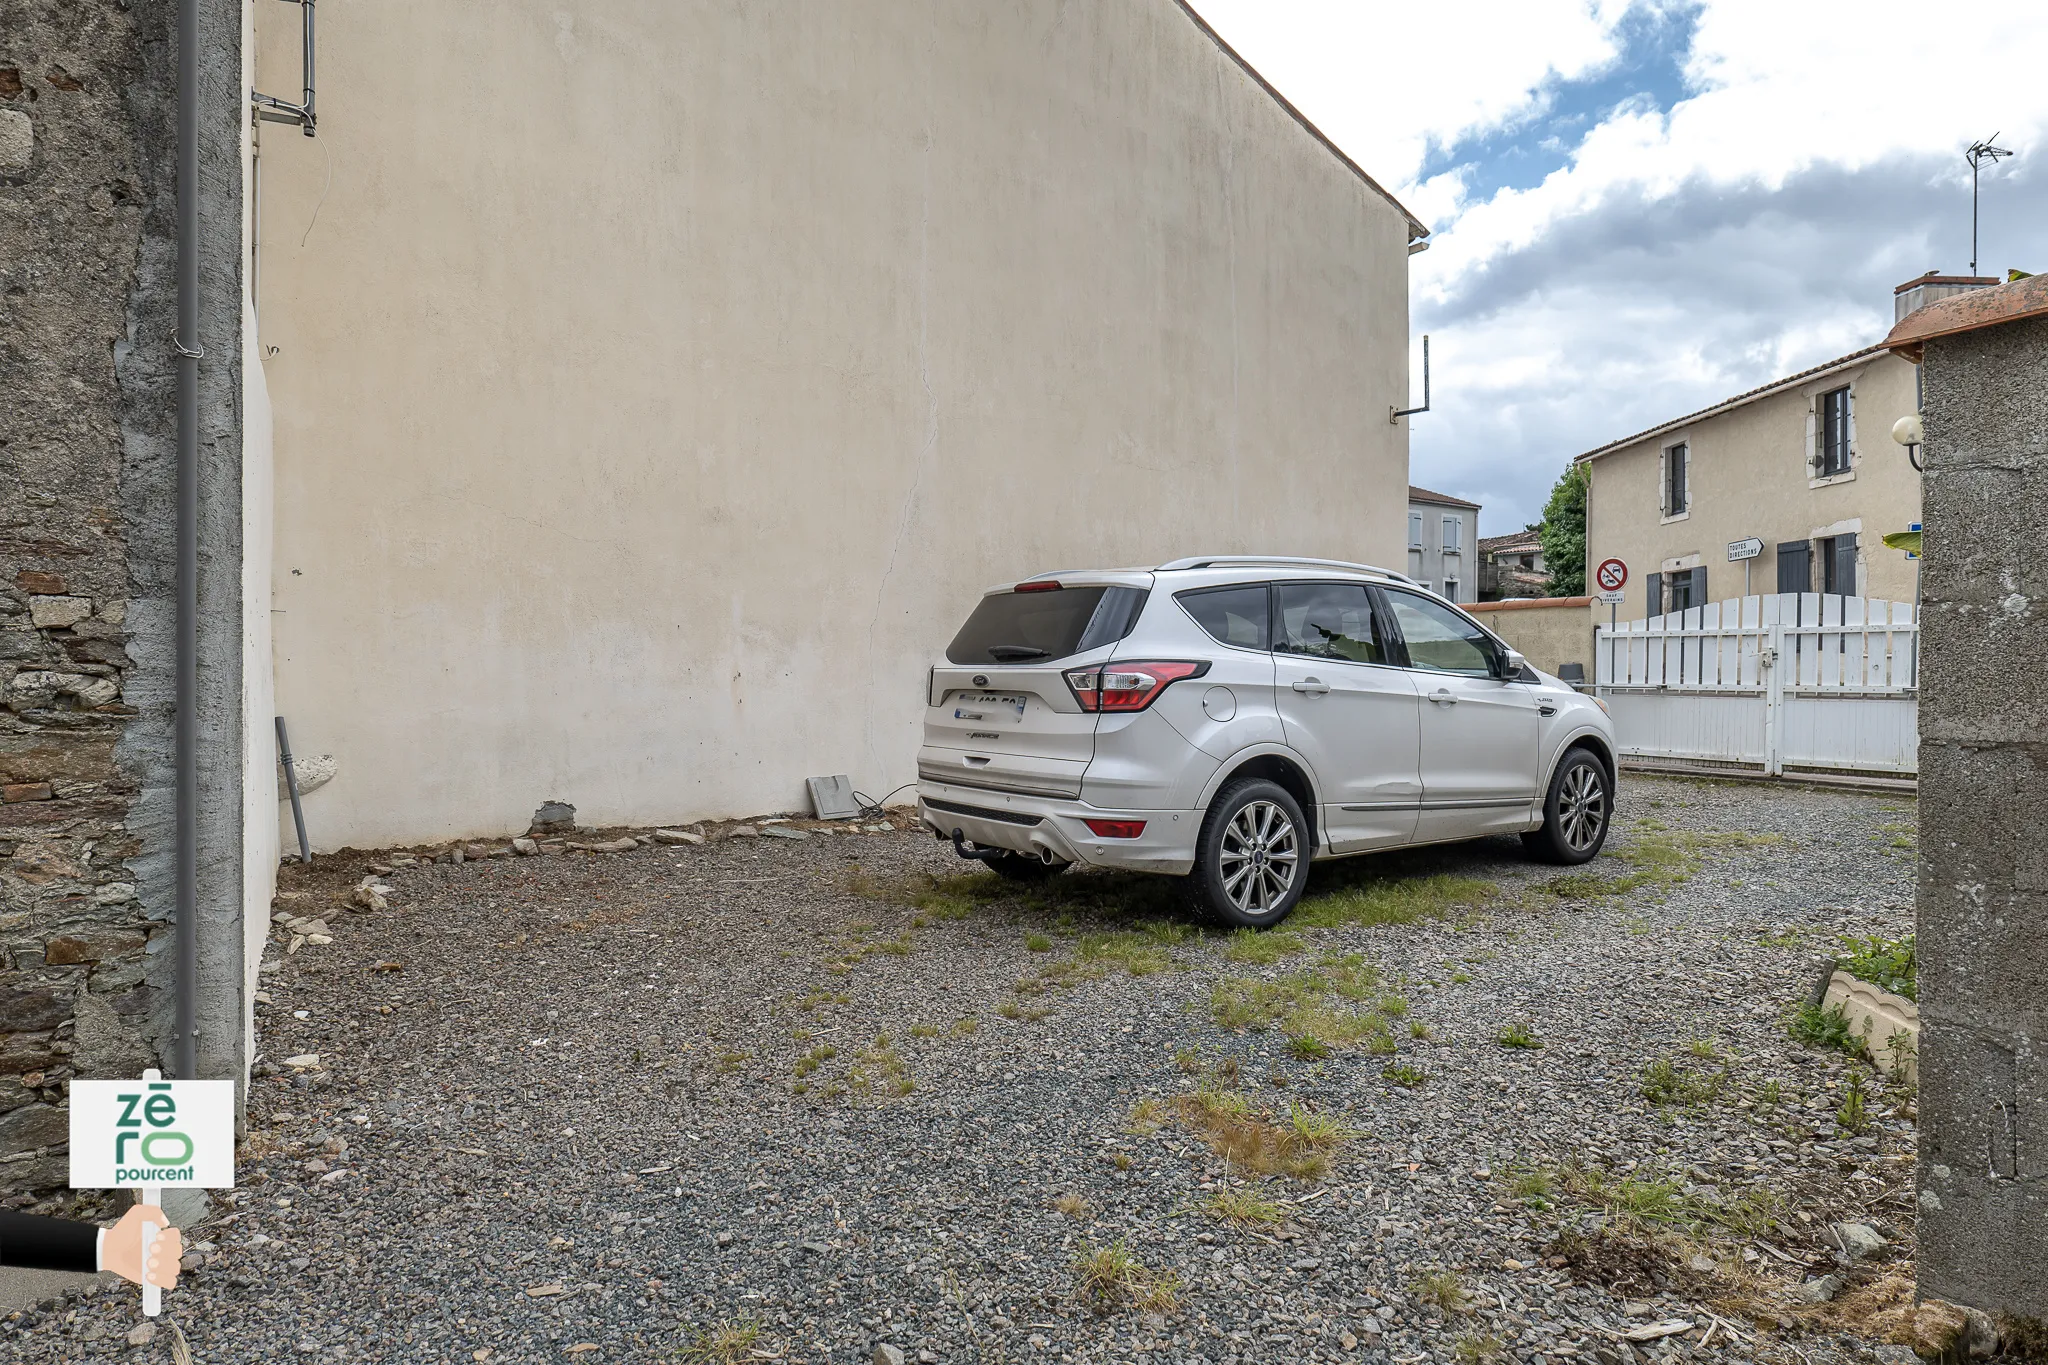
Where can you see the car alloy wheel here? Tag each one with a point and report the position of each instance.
(1582, 807)
(1260, 853)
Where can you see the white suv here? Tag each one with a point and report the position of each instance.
(1230, 719)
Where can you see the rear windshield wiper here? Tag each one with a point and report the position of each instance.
(1012, 654)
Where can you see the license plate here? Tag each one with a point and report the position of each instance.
(989, 708)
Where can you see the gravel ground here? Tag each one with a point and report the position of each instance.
(600, 1106)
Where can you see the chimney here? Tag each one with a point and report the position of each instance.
(1914, 295)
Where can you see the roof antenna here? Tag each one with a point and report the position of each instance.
(1978, 153)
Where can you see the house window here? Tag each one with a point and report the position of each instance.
(1833, 430)
(1451, 535)
(1415, 530)
(1677, 480)
(1837, 564)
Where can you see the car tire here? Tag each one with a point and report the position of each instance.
(1251, 861)
(1020, 867)
(1576, 813)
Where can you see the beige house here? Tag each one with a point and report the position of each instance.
(1443, 543)
(1805, 464)
(656, 387)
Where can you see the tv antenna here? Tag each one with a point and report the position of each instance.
(1977, 155)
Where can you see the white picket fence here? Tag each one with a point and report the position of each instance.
(1798, 680)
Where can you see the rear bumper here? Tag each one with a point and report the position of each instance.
(1040, 825)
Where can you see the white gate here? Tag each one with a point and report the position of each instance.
(1800, 680)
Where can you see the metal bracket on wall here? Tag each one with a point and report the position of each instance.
(278, 111)
(1394, 415)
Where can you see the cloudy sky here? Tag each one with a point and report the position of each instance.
(1641, 208)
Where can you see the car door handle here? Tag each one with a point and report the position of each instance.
(1444, 697)
(1315, 687)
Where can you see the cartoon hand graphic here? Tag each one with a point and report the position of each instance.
(122, 1253)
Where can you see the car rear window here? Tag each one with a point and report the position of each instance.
(1039, 627)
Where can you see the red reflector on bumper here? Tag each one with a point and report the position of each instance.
(1116, 829)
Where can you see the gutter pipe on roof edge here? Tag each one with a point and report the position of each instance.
(185, 1057)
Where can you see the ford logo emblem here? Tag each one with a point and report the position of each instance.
(981, 680)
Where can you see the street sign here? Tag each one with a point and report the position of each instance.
(1612, 599)
(1744, 549)
(1611, 576)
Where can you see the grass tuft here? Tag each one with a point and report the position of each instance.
(1392, 900)
(1666, 1084)
(728, 1343)
(1245, 1207)
(1441, 1289)
(1519, 1035)
(1263, 948)
(1074, 1206)
(1111, 1277)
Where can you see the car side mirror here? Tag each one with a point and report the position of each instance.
(1512, 664)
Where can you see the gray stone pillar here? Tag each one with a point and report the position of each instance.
(1983, 884)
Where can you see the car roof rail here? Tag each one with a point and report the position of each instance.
(1281, 561)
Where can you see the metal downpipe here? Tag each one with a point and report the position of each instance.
(185, 1056)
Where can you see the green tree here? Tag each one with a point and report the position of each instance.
(1564, 533)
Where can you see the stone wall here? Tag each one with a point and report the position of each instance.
(87, 556)
(1983, 898)
(75, 941)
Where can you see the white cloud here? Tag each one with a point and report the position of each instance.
(1676, 256)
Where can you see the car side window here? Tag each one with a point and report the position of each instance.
(1329, 621)
(1235, 615)
(1438, 638)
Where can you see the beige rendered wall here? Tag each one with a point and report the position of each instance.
(1750, 478)
(656, 387)
(1548, 631)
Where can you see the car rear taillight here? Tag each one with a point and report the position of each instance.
(1042, 585)
(1127, 686)
(1116, 829)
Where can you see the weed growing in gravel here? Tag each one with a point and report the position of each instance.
(1666, 1084)
(728, 1343)
(1391, 900)
(729, 1062)
(1481, 1348)
(1631, 1200)
(1406, 1075)
(1533, 1187)
(1441, 1289)
(1263, 948)
(1460, 978)
(1188, 1060)
(1074, 1206)
(1418, 1030)
(1037, 943)
(1520, 1035)
(1147, 1117)
(880, 1070)
(1310, 1004)
(1242, 1206)
(1256, 1140)
(1144, 951)
(1854, 1115)
(963, 1028)
(1825, 1028)
(1111, 1277)
(924, 1030)
(1656, 860)
(1794, 936)
(1769, 1094)
(1307, 1047)
(1010, 1009)
(814, 1059)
